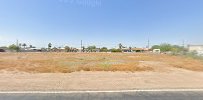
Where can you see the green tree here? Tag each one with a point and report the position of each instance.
(83, 48)
(43, 49)
(91, 48)
(178, 50)
(116, 50)
(13, 47)
(155, 47)
(104, 49)
(166, 47)
(67, 49)
(55, 49)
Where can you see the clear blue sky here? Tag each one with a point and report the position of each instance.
(101, 22)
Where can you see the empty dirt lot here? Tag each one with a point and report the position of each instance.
(97, 71)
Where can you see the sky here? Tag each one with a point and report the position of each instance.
(101, 22)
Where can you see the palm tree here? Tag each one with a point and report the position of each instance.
(49, 46)
(24, 45)
(120, 46)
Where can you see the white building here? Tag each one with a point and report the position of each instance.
(156, 51)
(196, 48)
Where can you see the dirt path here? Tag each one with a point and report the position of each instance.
(100, 81)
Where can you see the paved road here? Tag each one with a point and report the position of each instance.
(105, 96)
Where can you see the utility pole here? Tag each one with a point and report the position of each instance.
(148, 43)
(81, 47)
(17, 42)
(183, 43)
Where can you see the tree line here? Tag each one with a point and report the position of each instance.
(163, 47)
(174, 49)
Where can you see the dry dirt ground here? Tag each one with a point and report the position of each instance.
(97, 71)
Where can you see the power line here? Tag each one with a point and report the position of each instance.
(17, 43)
(183, 43)
(148, 43)
(81, 46)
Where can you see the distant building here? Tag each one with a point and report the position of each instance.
(156, 51)
(196, 48)
(95, 50)
(138, 49)
(126, 50)
(28, 49)
(2, 50)
(135, 49)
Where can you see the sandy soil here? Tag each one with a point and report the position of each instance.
(100, 81)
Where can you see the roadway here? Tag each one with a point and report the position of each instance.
(132, 95)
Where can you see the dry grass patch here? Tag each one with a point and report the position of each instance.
(71, 62)
(184, 62)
